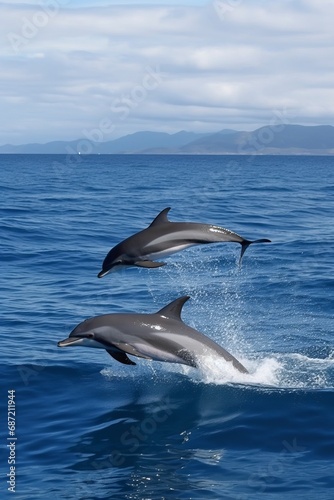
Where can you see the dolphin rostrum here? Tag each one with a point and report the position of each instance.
(162, 238)
(161, 336)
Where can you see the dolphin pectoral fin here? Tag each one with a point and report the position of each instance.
(129, 349)
(161, 218)
(245, 244)
(148, 263)
(121, 357)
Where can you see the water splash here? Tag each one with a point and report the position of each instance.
(223, 306)
(281, 371)
(217, 371)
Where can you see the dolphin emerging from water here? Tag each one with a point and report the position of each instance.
(161, 336)
(162, 238)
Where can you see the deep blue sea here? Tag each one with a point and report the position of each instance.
(90, 428)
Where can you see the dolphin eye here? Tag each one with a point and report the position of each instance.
(90, 335)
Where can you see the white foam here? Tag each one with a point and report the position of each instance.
(277, 370)
(284, 371)
(323, 362)
(213, 370)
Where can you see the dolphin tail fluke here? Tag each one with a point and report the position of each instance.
(245, 244)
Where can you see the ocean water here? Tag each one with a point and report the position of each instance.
(89, 428)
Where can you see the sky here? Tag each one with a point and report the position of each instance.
(103, 69)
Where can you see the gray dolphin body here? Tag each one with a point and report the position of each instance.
(162, 336)
(162, 238)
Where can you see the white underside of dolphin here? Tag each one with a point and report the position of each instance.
(163, 238)
(162, 336)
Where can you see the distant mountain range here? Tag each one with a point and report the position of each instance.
(274, 140)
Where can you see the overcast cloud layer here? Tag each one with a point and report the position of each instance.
(69, 70)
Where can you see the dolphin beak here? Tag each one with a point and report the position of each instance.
(69, 341)
(103, 273)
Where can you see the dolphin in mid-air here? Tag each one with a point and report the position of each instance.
(162, 238)
(161, 336)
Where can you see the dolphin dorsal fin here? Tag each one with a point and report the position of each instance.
(161, 218)
(173, 310)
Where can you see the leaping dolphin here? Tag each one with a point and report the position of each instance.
(161, 336)
(162, 238)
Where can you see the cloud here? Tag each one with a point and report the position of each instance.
(219, 65)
